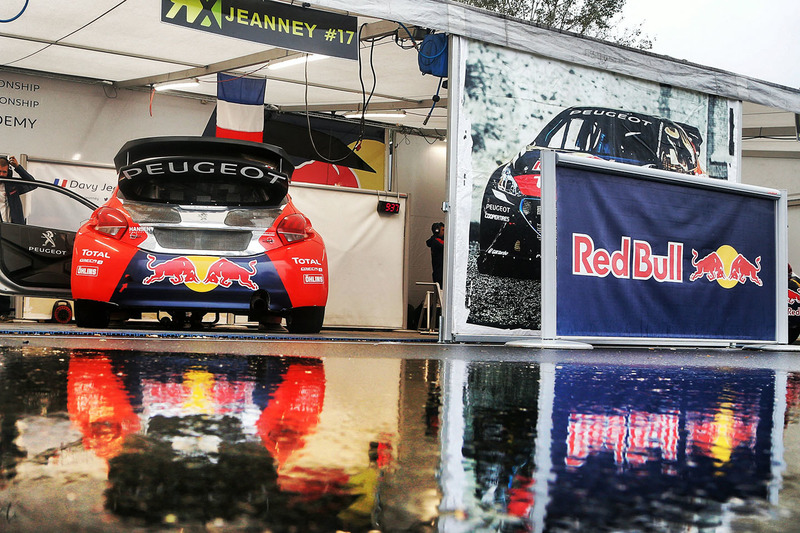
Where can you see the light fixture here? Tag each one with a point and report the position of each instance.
(299, 60)
(377, 114)
(177, 84)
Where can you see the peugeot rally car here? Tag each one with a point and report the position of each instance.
(198, 225)
(510, 227)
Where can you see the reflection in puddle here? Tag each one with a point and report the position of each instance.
(285, 443)
(666, 446)
(127, 440)
(630, 449)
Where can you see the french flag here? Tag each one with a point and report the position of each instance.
(240, 107)
(60, 182)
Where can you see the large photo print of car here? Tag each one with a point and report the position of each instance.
(200, 225)
(510, 221)
(504, 272)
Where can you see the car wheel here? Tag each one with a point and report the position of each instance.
(305, 320)
(91, 314)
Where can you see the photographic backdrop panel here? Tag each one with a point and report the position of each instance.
(514, 103)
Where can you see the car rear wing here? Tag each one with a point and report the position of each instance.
(139, 150)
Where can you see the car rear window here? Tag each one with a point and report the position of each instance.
(209, 183)
(605, 137)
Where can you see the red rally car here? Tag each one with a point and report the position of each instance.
(199, 225)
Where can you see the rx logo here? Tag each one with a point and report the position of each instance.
(198, 12)
(48, 237)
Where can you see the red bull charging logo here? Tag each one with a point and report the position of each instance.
(201, 273)
(726, 266)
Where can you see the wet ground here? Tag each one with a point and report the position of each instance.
(150, 430)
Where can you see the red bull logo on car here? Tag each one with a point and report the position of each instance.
(201, 273)
(794, 300)
(635, 260)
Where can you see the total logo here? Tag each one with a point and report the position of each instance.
(201, 273)
(635, 260)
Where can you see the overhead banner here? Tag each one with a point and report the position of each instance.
(283, 25)
(641, 257)
(337, 153)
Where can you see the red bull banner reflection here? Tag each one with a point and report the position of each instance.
(643, 256)
(631, 440)
(631, 437)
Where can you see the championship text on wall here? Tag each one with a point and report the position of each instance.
(18, 101)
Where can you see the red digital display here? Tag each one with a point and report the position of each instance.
(388, 207)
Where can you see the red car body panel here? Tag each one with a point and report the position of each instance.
(124, 263)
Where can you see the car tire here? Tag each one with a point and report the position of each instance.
(305, 320)
(91, 314)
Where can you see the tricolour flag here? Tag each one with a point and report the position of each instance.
(240, 107)
(60, 182)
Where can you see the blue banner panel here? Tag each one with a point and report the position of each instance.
(261, 21)
(642, 258)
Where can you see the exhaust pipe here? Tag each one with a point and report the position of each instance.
(259, 304)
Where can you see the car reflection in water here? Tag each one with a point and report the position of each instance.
(189, 440)
(632, 449)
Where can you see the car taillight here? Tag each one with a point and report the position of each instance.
(110, 221)
(293, 228)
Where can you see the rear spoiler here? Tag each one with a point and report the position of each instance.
(210, 147)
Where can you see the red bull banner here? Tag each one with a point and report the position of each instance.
(645, 255)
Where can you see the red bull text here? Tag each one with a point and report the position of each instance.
(635, 260)
(794, 303)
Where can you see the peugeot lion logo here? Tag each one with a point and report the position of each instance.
(49, 246)
(49, 240)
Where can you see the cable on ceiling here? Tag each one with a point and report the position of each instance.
(67, 35)
(364, 103)
(18, 15)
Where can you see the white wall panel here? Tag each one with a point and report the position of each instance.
(65, 121)
(365, 255)
(420, 171)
